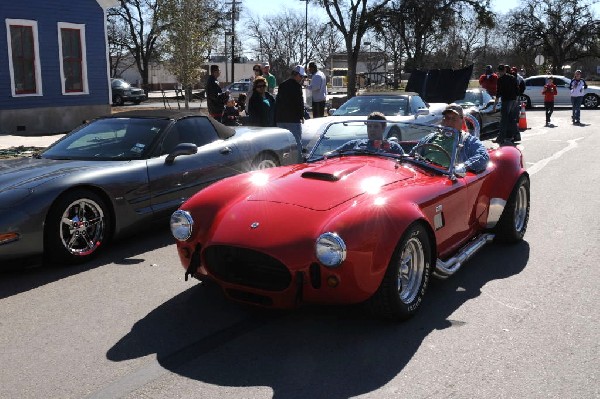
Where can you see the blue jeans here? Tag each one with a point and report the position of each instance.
(576, 103)
(296, 129)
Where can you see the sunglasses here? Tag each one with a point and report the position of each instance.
(256, 70)
(260, 86)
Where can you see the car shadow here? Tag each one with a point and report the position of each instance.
(312, 352)
(15, 279)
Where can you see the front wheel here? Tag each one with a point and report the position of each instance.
(77, 227)
(405, 281)
(118, 100)
(395, 132)
(513, 222)
(590, 101)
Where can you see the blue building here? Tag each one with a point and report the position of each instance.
(54, 71)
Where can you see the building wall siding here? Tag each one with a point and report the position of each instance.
(47, 14)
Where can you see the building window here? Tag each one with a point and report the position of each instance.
(73, 66)
(23, 57)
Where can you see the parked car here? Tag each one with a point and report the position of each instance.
(479, 104)
(533, 92)
(397, 107)
(123, 92)
(120, 172)
(353, 226)
(237, 88)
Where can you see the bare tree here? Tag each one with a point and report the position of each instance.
(277, 40)
(140, 20)
(189, 34)
(352, 18)
(564, 30)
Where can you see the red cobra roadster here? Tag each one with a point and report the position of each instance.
(352, 226)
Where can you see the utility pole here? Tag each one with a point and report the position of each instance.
(235, 16)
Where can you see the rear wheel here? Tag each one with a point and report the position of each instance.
(118, 100)
(77, 227)
(405, 281)
(265, 161)
(513, 222)
(395, 132)
(590, 100)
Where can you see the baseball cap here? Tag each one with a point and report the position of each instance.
(266, 64)
(299, 69)
(455, 108)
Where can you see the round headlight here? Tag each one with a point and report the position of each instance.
(330, 249)
(181, 225)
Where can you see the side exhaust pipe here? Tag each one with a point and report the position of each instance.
(443, 270)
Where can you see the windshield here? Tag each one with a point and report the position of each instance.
(109, 139)
(121, 84)
(364, 105)
(471, 98)
(436, 148)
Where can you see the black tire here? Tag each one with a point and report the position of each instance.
(395, 132)
(513, 223)
(405, 281)
(590, 101)
(264, 161)
(118, 100)
(77, 227)
(525, 99)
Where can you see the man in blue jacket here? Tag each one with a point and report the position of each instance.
(472, 154)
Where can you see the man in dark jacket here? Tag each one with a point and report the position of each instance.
(289, 105)
(215, 97)
(507, 91)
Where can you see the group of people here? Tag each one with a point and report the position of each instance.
(508, 85)
(263, 108)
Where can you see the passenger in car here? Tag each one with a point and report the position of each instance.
(375, 142)
(472, 154)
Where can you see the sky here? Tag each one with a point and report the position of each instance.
(257, 7)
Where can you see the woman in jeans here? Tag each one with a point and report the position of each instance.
(577, 87)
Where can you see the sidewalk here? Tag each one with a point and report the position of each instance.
(8, 141)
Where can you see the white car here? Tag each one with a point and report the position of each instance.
(397, 107)
(533, 92)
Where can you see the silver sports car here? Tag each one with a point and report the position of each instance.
(116, 173)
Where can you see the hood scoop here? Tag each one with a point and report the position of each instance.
(338, 175)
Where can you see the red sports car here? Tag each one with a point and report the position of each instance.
(351, 226)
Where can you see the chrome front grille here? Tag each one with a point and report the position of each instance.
(247, 267)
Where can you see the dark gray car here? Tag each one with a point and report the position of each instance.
(117, 173)
(123, 92)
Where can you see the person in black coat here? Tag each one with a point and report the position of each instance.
(507, 91)
(215, 96)
(261, 106)
(289, 105)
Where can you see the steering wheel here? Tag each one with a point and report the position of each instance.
(435, 148)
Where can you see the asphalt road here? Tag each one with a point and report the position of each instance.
(517, 321)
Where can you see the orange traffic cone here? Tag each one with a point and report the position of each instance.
(522, 118)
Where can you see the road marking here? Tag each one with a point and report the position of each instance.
(539, 165)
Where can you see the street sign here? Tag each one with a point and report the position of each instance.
(539, 59)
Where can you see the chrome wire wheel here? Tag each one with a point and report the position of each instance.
(521, 207)
(411, 270)
(82, 227)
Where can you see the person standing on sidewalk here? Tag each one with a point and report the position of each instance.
(289, 106)
(318, 88)
(577, 87)
(271, 80)
(507, 91)
(549, 92)
(215, 97)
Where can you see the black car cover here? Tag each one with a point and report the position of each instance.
(440, 85)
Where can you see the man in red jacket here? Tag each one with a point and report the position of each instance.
(489, 81)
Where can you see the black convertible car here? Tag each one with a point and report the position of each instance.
(116, 173)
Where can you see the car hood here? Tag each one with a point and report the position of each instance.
(31, 172)
(335, 180)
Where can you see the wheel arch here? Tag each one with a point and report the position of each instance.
(265, 153)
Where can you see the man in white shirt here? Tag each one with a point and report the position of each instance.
(318, 88)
